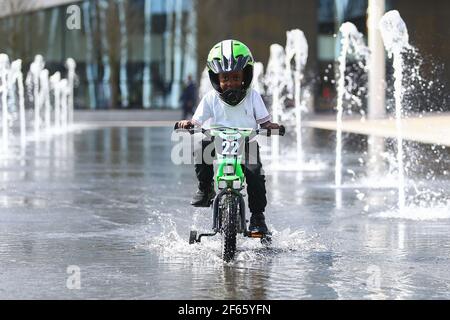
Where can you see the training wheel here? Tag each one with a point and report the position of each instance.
(193, 237)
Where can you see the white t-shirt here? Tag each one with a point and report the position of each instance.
(249, 113)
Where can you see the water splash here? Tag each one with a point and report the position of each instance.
(33, 83)
(417, 213)
(346, 28)
(63, 87)
(297, 50)
(17, 78)
(396, 40)
(71, 77)
(171, 245)
(258, 77)
(352, 42)
(45, 98)
(55, 87)
(4, 72)
(275, 81)
(39, 86)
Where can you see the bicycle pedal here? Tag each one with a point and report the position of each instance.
(193, 237)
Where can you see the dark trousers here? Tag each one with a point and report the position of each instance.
(255, 179)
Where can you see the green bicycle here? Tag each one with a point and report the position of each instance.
(229, 205)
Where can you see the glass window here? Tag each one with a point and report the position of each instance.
(109, 49)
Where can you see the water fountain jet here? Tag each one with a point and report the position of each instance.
(4, 73)
(297, 49)
(351, 42)
(396, 40)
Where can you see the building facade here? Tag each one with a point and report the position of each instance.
(138, 53)
(129, 53)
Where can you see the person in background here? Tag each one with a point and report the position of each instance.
(188, 98)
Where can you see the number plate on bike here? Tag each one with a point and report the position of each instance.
(230, 147)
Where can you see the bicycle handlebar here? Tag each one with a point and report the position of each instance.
(268, 132)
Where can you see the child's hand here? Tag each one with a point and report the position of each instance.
(185, 124)
(270, 125)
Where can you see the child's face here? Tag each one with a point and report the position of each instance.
(231, 80)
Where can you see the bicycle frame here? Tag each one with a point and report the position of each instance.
(229, 177)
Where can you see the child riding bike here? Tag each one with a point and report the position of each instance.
(232, 103)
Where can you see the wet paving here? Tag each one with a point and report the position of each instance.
(104, 214)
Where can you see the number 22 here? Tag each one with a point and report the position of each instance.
(226, 145)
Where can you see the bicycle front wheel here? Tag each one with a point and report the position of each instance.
(229, 228)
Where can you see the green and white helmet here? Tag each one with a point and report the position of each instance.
(228, 56)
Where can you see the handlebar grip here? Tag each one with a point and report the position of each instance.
(281, 131)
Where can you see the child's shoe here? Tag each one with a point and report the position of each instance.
(258, 224)
(204, 196)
